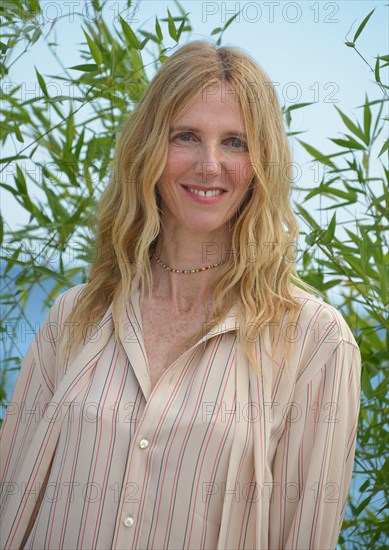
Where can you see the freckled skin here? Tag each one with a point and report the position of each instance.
(164, 334)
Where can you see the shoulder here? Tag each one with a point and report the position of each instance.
(321, 319)
(322, 339)
(45, 346)
(62, 306)
(65, 302)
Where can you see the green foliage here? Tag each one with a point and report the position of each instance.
(66, 147)
(353, 258)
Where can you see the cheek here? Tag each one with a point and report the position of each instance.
(176, 164)
(173, 172)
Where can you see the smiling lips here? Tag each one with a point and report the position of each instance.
(204, 194)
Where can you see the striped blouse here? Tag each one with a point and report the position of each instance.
(216, 456)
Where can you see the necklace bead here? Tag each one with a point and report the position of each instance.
(186, 271)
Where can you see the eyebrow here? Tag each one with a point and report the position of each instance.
(193, 129)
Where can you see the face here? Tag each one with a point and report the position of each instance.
(208, 168)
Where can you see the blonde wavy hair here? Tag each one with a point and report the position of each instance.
(128, 215)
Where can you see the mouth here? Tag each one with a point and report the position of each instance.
(204, 194)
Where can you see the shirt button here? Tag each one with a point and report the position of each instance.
(129, 521)
(143, 443)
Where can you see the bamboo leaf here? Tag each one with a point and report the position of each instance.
(383, 269)
(355, 268)
(136, 60)
(384, 148)
(181, 28)
(171, 26)
(230, 20)
(328, 191)
(330, 284)
(86, 67)
(363, 505)
(37, 34)
(348, 143)
(330, 231)
(87, 178)
(129, 34)
(299, 106)
(94, 49)
(364, 250)
(60, 214)
(217, 30)
(41, 83)
(367, 120)
(18, 134)
(51, 274)
(158, 30)
(79, 144)
(377, 70)
(70, 131)
(366, 386)
(350, 124)
(11, 261)
(20, 180)
(305, 214)
(10, 189)
(362, 25)
(324, 159)
(312, 237)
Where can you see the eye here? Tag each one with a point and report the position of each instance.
(183, 137)
(238, 143)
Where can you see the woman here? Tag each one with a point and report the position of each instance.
(190, 395)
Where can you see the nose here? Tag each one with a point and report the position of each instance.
(210, 162)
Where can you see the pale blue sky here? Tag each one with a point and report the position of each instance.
(299, 44)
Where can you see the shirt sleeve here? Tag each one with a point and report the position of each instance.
(314, 458)
(32, 393)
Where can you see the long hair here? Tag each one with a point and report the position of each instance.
(264, 232)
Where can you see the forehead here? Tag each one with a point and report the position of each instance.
(221, 91)
(214, 103)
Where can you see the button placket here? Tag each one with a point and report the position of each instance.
(137, 467)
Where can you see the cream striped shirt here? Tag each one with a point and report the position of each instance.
(215, 457)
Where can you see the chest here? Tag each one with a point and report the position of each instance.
(166, 334)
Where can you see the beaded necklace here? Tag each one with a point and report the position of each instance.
(186, 271)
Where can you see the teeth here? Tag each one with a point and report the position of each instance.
(212, 193)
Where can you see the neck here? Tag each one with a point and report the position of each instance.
(188, 251)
